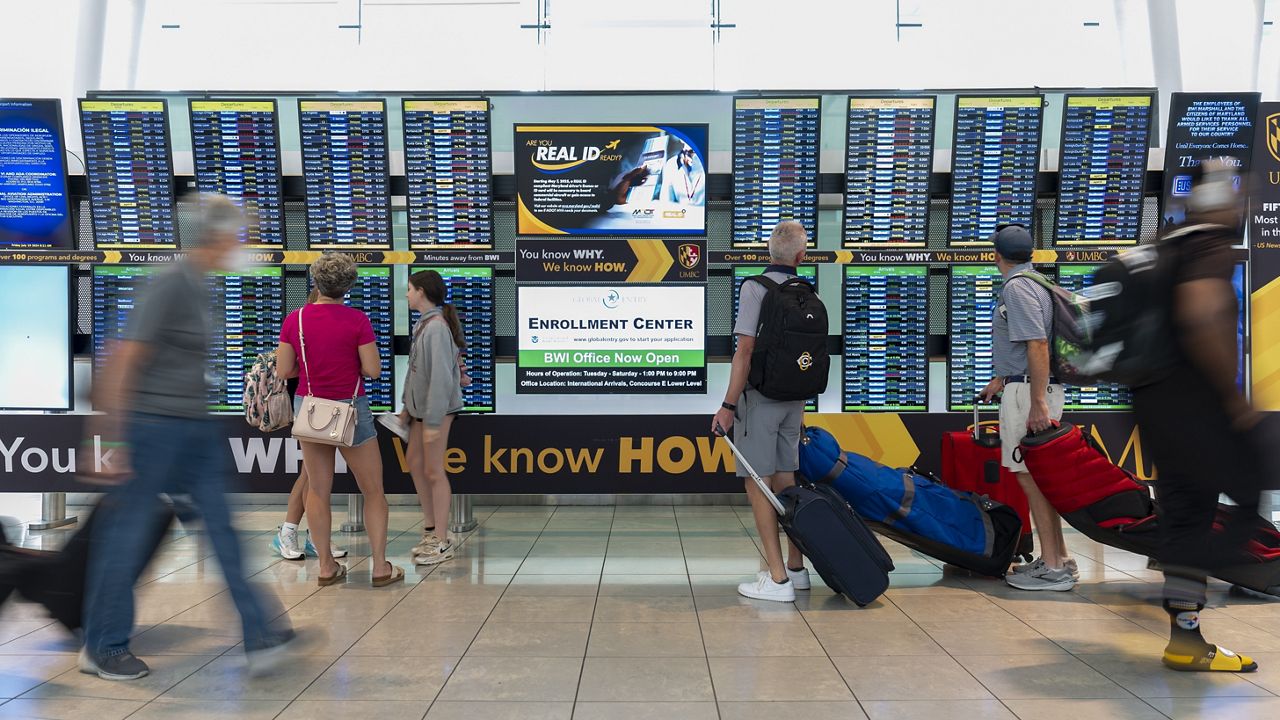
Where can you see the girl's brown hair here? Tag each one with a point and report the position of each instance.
(432, 285)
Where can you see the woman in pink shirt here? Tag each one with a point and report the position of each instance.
(340, 351)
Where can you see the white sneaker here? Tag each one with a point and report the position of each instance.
(441, 553)
(428, 545)
(799, 578)
(335, 551)
(764, 588)
(1069, 565)
(285, 543)
(391, 421)
(1042, 578)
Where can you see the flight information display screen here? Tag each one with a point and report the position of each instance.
(130, 173)
(34, 210)
(775, 166)
(994, 160)
(1105, 396)
(247, 308)
(346, 168)
(888, 159)
(447, 163)
(236, 148)
(886, 334)
(1105, 141)
(374, 295)
(471, 291)
(742, 272)
(115, 292)
(974, 289)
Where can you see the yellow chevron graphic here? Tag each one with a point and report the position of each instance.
(300, 257)
(1044, 256)
(652, 261)
(1266, 345)
(111, 257)
(880, 436)
(399, 257)
(844, 257)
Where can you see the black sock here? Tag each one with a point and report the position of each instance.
(430, 529)
(1184, 627)
(796, 569)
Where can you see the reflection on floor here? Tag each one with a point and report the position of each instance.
(631, 613)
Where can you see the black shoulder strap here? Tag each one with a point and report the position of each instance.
(768, 282)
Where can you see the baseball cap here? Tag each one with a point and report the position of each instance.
(1013, 242)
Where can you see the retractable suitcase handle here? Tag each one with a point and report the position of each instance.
(760, 483)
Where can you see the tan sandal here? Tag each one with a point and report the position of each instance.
(333, 579)
(396, 575)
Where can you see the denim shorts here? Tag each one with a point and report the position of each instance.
(365, 429)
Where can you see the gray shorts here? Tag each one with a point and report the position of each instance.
(767, 433)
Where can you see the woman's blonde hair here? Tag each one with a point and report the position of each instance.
(334, 274)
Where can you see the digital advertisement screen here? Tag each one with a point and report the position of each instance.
(247, 311)
(888, 161)
(776, 143)
(1102, 169)
(1105, 396)
(115, 293)
(1203, 125)
(34, 211)
(1238, 282)
(35, 357)
(447, 164)
(886, 338)
(974, 289)
(373, 294)
(130, 173)
(994, 161)
(236, 148)
(471, 292)
(742, 272)
(599, 340)
(611, 179)
(346, 168)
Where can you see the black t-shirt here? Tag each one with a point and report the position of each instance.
(1203, 255)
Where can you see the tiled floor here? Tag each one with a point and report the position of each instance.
(630, 613)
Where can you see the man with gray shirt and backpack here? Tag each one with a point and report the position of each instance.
(1031, 399)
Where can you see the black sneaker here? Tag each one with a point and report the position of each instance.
(125, 666)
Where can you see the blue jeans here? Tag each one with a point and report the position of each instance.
(173, 456)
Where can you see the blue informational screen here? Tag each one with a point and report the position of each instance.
(34, 212)
(35, 355)
(1238, 282)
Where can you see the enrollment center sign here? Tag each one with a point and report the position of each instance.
(621, 180)
(599, 340)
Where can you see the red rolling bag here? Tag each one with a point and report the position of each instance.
(971, 461)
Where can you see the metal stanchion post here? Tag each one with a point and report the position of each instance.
(53, 512)
(461, 516)
(355, 514)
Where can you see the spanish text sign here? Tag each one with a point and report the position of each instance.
(597, 339)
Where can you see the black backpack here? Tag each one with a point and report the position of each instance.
(790, 360)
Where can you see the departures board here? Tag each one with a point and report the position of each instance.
(886, 334)
(776, 145)
(127, 158)
(448, 165)
(236, 148)
(346, 169)
(995, 158)
(888, 161)
(974, 290)
(247, 311)
(471, 291)
(1103, 167)
(1104, 396)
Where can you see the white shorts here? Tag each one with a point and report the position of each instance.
(1015, 406)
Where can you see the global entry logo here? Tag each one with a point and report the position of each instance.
(611, 299)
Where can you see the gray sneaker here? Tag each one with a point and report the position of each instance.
(1042, 578)
(1070, 566)
(125, 666)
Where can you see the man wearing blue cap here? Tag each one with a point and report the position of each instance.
(1031, 400)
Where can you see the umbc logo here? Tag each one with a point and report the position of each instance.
(805, 361)
(690, 254)
(1273, 136)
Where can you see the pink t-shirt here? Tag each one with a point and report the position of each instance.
(334, 332)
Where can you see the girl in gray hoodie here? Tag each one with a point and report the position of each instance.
(432, 395)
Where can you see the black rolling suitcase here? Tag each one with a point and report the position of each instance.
(841, 547)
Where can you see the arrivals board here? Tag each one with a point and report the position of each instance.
(886, 333)
(247, 308)
(974, 289)
(346, 169)
(470, 290)
(994, 161)
(1104, 396)
(130, 173)
(775, 166)
(236, 148)
(448, 165)
(1102, 169)
(742, 272)
(374, 295)
(888, 160)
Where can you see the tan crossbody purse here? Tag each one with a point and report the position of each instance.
(328, 422)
